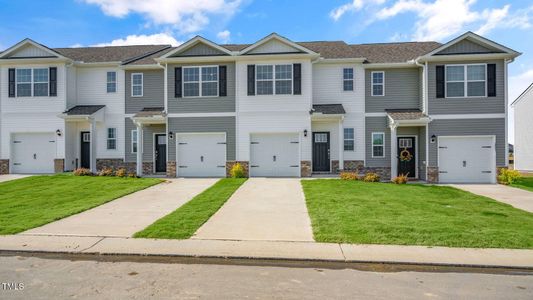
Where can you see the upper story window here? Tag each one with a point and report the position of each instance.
(349, 140)
(378, 144)
(32, 82)
(378, 83)
(466, 81)
(112, 82)
(137, 84)
(347, 76)
(111, 138)
(200, 81)
(272, 79)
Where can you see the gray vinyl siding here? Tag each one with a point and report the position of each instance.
(402, 90)
(467, 105)
(201, 50)
(467, 127)
(206, 104)
(153, 91)
(201, 125)
(148, 140)
(467, 47)
(377, 124)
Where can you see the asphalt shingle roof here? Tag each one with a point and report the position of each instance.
(329, 109)
(392, 52)
(83, 110)
(406, 114)
(148, 112)
(108, 54)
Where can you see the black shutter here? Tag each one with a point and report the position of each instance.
(11, 83)
(177, 82)
(297, 79)
(222, 81)
(53, 81)
(491, 80)
(440, 81)
(251, 80)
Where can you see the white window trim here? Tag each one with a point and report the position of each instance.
(32, 82)
(384, 136)
(352, 80)
(115, 82)
(142, 84)
(346, 139)
(465, 81)
(108, 138)
(134, 134)
(274, 79)
(200, 81)
(372, 83)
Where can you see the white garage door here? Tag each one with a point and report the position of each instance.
(201, 155)
(468, 159)
(275, 155)
(33, 152)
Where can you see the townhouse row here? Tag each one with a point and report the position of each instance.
(436, 112)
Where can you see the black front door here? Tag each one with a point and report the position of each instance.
(320, 151)
(160, 153)
(407, 156)
(85, 150)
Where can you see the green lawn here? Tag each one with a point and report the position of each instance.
(184, 221)
(525, 183)
(385, 213)
(34, 201)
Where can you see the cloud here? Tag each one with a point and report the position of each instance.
(224, 36)
(353, 6)
(185, 16)
(518, 83)
(154, 39)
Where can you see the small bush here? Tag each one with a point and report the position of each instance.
(132, 175)
(82, 172)
(349, 176)
(106, 172)
(237, 171)
(371, 177)
(401, 179)
(507, 176)
(121, 172)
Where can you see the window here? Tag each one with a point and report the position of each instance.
(405, 143)
(32, 82)
(134, 141)
(321, 137)
(137, 84)
(347, 76)
(200, 81)
(23, 82)
(349, 141)
(378, 144)
(466, 81)
(272, 79)
(86, 137)
(112, 82)
(378, 83)
(111, 138)
(40, 82)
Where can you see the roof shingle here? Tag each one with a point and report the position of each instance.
(83, 110)
(108, 54)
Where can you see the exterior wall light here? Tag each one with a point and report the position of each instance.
(433, 139)
(58, 132)
(305, 132)
(171, 135)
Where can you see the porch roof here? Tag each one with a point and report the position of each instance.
(83, 110)
(150, 115)
(328, 109)
(405, 117)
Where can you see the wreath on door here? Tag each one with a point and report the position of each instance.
(405, 155)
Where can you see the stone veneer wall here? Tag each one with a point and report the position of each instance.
(59, 165)
(349, 165)
(384, 173)
(245, 164)
(305, 168)
(4, 166)
(433, 174)
(171, 169)
(148, 168)
(115, 164)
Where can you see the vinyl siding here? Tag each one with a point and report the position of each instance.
(377, 124)
(31, 51)
(274, 46)
(205, 104)
(523, 147)
(467, 105)
(148, 140)
(153, 91)
(467, 47)
(402, 90)
(201, 49)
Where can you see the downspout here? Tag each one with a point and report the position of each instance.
(507, 62)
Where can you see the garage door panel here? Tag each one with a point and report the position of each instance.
(274, 155)
(201, 155)
(33, 152)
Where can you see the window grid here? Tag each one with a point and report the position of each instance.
(273, 79)
(111, 138)
(111, 82)
(134, 141)
(378, 144)
(349, 139)
(137, 84)
(32, 82)
(348, 79)
(378, 83)
(200, 81)
(464, 82)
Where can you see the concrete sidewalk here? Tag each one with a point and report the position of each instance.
(9, 177)
(516, 197)
(298, 251)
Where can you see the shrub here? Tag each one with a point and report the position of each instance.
(82, 172)
(237, 171)
(106, 172)
(132, 175)
(507, 176)
(371, 177)
(401, 179)
(349, 176)
(121, 172)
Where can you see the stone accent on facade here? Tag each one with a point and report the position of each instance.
(245, 164)
(171, 169)
(59, 165)
(148, 168)
(4, 166)
(353, 165)
(433, 175)
(334, 166)
(115, 164)
(383, 172)
(306, 169)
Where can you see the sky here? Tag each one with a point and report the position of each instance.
(76, 23)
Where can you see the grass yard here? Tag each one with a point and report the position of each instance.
(383, 213)
(185, 221)
(525, 183)
(34, 201)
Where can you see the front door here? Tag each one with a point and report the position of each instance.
(160, 153)
(85, 150)
(320, 151)
(407, 156)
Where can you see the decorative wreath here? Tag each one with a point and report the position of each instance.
(405, 155)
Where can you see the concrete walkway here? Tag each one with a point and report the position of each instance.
(268, 209)
(9, 177)
(132, 213)
(516, 197)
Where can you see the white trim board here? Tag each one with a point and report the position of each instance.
(467, 116)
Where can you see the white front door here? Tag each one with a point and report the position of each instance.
(467, 159)
(33, 152)
(275, 155)
(201, 155)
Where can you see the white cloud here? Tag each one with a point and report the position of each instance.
(154, 39)
(186, 16)
(517, 84)
(353, 6)
(224, 36)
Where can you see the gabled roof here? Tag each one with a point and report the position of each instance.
(275, 36)
(392, 52)
(109, 53)
(27, 41)
(525, 92)
(191, 43)
(83, 110)
(328, 109)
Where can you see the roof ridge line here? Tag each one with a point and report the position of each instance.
(136, 58)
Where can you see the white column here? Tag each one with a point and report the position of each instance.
(93, 139)
(139, 150)
(341, 145)
(393, 152)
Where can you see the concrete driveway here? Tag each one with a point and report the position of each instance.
(516, 197)
(9, 177)
(127, 215)
(270, 209)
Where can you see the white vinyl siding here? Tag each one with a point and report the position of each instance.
(378, 144)
(273, 79)
(463, 81)
(378, 83)
(200, 81)
(32, 82)
(134, 141)
(111, 138)
(137, 84)
(349, 139)
(347, 79)
(111, 85)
